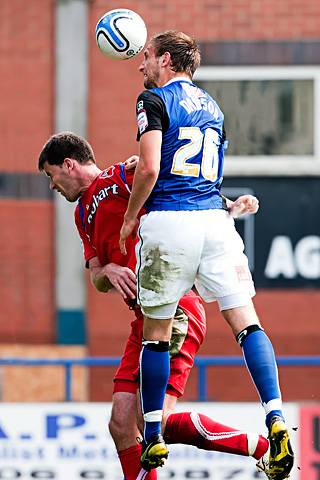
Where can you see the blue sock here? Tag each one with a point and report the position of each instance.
(260, 359)
(154, 375)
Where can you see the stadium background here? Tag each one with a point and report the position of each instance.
(54, 78)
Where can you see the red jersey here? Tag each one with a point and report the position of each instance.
(99, 217)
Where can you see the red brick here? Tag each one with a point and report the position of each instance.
(45, 384)
(26, 81)
(27, 272)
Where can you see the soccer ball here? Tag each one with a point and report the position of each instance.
(121, 34)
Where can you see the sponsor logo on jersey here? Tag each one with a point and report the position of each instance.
(102, 195)
(142, 121)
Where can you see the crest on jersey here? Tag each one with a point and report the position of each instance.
(108, 172)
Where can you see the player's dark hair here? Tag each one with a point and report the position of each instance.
(184, 50)
(65, 145)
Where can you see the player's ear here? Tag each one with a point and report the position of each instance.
(165, 59)
(68, 162)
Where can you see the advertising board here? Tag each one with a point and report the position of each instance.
(70, 441)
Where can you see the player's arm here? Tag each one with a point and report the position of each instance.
(111, 275)
(152, 120)
(145, 177)
(146, 172)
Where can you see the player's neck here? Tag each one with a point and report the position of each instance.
(92, 171)
(170, 76)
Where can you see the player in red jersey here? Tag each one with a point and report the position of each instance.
(102, 198)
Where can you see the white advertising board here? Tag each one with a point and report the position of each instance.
(70, 441)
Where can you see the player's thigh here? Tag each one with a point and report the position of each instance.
(126, 377)
(224, 273)
(157, 329)
(189, 327)
(192, 305)
(168, 254)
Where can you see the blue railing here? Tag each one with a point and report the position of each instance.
(201, 363)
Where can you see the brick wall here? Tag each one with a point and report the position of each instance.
(26, 81)
(114, 85)
(287, 316)
(231, 20)
(26, 116)
(41, 384)
(26, 274)
(289, 320)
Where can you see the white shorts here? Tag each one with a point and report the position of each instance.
(179, 249)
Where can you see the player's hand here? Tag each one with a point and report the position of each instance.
(128, 228)
(245, 204)
(123, 279)
(131, 162)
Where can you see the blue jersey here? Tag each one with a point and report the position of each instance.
(192, 146)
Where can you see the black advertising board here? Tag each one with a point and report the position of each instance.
(283, 239)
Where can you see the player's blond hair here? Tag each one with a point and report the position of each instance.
(184, 50)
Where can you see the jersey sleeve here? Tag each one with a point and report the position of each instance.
(129, 177)
(151, 113)
(125, 175)
(88, 250)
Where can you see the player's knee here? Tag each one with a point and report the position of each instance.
(156, 345)
(113, 428)
(117, 428)
(241, 336)
(140, 423)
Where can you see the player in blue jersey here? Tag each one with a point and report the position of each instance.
(187, 237)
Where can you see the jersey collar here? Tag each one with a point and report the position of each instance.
(178, 79)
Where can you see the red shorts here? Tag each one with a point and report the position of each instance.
(189, 328)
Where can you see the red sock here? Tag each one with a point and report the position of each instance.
(130, 463)
(202, 432)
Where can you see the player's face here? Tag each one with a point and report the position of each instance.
(150, 68)
(62, 181)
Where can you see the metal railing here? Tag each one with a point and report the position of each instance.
(201, 363)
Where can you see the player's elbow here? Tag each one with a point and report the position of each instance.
(149, 171)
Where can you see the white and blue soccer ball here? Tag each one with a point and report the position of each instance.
(121, 34)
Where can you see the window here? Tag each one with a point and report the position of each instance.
(271, 115)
